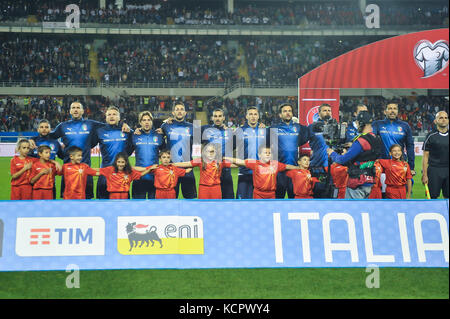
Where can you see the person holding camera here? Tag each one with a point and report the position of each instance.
(360, 159)
(352, 129)
(319, 158)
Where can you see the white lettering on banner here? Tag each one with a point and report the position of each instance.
(277, 238)
(351, 245)
(421, 246)
(404, 237)
(304, 217)
(370, 257)
(329, 246)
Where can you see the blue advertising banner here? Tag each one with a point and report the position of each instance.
(143, 234)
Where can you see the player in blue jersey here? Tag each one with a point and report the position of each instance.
(218, 133)
(394, 131)
(43, 138)
(179, 139)
(248, 139)
(289, 136)
(78, 132)
(44, 129)
(352, 128)
(319, 158)
(111, 141)
(146, 147)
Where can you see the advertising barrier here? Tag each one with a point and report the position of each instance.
(144, 234)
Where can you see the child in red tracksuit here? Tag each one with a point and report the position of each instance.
(265, 172)
(339, 173)
(398, 174)
(210, 165)
(302, 181)
(75, 174)
(43, 174)
(120, 175)
(375, 193)
(166, 176)
(20, 169)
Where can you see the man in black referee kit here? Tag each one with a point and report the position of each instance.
(435, 157)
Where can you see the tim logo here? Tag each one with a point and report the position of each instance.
(40, 236)
(159, 235)
(432, 58)
(313, 115)
(60, 236)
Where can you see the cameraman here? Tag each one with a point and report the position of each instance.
(352, 128)
(319, 158)
(359, 158)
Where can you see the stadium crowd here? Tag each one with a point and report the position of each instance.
(53, 61)
(30, 59)
(179, 13)
(167, 60)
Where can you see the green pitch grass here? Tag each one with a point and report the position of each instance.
(286, 283)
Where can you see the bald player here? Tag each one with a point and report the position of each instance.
(435, 157)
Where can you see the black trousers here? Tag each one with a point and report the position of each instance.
(284, 184)
(244, 187)
(188, 186)
(438, 179)
(143, 189)
(102, 192)
(226, 184)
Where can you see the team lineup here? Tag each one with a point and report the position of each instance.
(377, 160)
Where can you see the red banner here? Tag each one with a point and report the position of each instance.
(413, 61)
(309, 101)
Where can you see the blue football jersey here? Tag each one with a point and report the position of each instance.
(146, 148)
(290, 137)
(395, 132)
(80, 133)
(112, 141)
(248, 141)
(179, 138)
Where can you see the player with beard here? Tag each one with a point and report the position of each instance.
(179, 139)
(319, 158)
(219, 134)
(43, 138)
(81, 133)
(111, 141)
(289, 136)
(394, 131)
(249, 138)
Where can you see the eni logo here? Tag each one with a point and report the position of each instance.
(160, 235)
